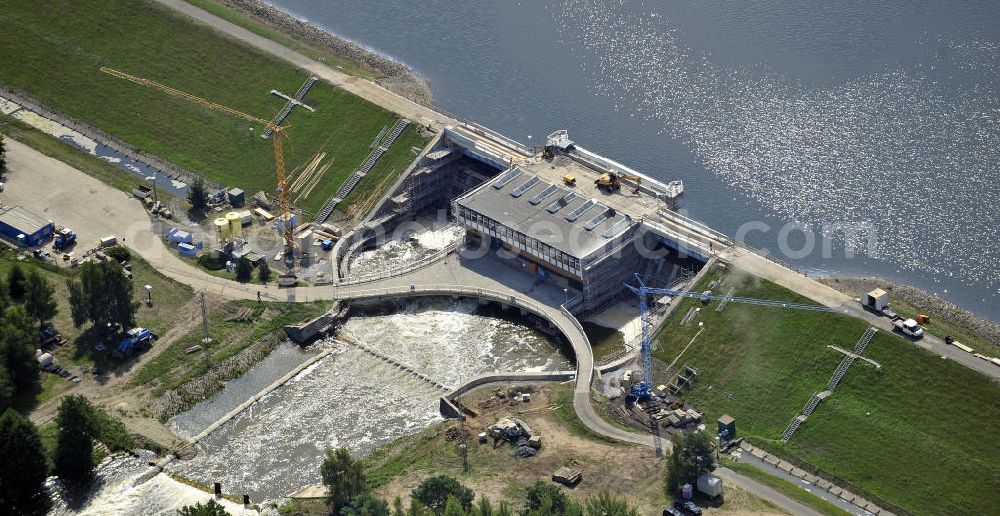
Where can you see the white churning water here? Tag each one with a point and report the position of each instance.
(401, 251)
(355, 400)
(115, 493)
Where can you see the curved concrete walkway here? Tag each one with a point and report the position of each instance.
(485, 288)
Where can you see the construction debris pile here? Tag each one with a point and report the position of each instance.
(518, 434)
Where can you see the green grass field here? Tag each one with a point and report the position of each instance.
(914, 433)
(168, 297)
(60, 48)
(173, 367)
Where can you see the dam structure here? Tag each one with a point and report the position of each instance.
(544, 234)
(548, 211)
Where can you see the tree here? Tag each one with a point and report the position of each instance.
(6, 388)
(435, 491)
(104, 294)
(3, 157)
(78, 307)
(15, 282)
(17, 348)
(546, 490)
(244, 269)
(39, 298)
(264, 272)
(453, 507)
(4, 296)
(198, 194)
(73, 457)
(606, 504)
(692, 456)
(23, 468)
(343, 476)
(118, 252)
(366, 504)
(209, 508)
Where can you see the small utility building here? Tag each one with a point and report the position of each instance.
(24, 227)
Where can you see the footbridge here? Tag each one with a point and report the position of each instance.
(557, 315)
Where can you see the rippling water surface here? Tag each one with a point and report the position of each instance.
(354, 399)
(875, 120)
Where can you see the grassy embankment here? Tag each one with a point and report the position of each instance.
(908, 433)
(161, 316)
(791, 490)
(61, 47)
(173, 367)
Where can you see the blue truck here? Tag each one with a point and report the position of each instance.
(65, 238)
(135, 339)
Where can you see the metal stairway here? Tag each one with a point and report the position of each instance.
(362, 170)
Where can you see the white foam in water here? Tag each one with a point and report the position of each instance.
(355, 400)
(400, 252)
(916, 160)
(117, 494)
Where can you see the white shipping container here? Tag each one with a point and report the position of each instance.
(709, 486)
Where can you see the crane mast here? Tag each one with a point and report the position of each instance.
(279, 155)
(644, 389)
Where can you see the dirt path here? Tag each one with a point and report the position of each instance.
(112, 392)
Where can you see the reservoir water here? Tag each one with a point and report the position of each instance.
(875, 124)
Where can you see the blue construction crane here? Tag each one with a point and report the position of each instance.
(643, 390)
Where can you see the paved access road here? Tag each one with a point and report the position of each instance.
(828, 296)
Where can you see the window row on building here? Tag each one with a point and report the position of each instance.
(517, 240)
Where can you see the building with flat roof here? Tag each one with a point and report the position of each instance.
(24, 227)
(551, 215)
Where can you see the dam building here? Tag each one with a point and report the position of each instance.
(576, 219)
(562, 212)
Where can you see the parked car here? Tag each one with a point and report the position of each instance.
(671, 511)
(688, 507)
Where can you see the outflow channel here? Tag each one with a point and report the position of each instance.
(352, 398)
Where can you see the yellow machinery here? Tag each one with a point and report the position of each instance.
(279, 155)
(570, 180)
(612, 181)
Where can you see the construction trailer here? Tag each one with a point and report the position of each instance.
(25, 227)
(876, 300)
(709, 486)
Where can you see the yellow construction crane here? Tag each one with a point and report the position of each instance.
(279, 156)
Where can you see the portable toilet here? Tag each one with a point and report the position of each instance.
(237, 197)
(687, 491)
(727, 427)
(235, 224)
(222, 229)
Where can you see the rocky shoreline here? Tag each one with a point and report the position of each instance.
(187, 395)
(855, 286)
(394, 76)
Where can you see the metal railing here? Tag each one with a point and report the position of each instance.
(413, 266)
